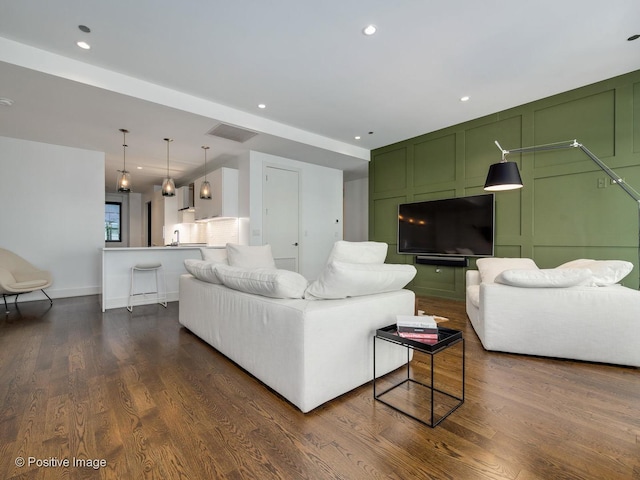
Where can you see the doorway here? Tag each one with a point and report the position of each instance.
(148, 224)
(281, 216)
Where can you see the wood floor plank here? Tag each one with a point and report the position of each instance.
(154, 401)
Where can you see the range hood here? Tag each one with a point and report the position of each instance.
(185, 198)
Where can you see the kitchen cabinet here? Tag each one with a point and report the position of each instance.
(185, 197)
(224, 195)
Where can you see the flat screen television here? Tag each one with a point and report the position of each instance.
(462, 227)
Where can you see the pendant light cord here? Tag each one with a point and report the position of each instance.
(168, 140)
(124, 150)
(205, 148)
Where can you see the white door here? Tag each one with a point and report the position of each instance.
(281, 198)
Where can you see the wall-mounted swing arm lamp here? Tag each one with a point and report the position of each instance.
(505, 175)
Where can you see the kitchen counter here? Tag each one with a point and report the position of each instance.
(116, 272)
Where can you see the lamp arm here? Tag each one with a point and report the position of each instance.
(541, 148)
(616, 178)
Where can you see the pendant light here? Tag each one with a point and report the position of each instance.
(205, 188)
(168, 185)
(124, 178)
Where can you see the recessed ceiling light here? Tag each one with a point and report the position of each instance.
(84, 28)
(465, 98)
(357, 137)
(83, 45)
(633, 37)
(369, 30)
(262, 105)
(139, 168)
(6, 102)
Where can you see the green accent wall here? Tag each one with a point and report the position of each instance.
(568, 207)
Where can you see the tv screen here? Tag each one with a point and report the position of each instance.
(462, 226)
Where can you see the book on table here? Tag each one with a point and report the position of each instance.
(430, 339)
(416, 321)
(417, 327)
(417, 330)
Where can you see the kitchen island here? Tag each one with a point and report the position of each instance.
(116, 272)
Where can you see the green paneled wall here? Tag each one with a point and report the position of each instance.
(568, 207)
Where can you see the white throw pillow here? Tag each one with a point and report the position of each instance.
(342, 280)
(218, 255)
(250, 256)
(545, 278)
(490, 268)
(203, 270)
(605, 272)
(358, 252)
(267, 282)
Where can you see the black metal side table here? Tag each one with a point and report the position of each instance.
(410, 394)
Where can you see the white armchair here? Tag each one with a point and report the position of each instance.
(18, 276)
(581, 322)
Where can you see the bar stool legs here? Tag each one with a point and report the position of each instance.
(161, 295)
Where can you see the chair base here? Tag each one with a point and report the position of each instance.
(161, 301)
(5, 295)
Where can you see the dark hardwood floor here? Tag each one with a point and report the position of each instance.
(148, 399)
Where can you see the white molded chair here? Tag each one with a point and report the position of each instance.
(18, 276)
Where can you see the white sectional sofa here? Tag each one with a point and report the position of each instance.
(309, 350)
(582, 322)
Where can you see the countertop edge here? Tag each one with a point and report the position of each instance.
(123, 249)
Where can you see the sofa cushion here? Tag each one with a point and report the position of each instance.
(267, 282)
(545, 278)
(490, 268)
(358, 252)
(342, 280)
(202, 269)
(605, 272)
(250, 256)
(218, 255)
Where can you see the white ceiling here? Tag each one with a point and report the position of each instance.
(162, 68)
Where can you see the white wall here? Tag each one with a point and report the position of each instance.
(321, 214)
(356, 210)
(52, 212)
(136, 237)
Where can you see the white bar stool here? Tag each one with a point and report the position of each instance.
(155, 267)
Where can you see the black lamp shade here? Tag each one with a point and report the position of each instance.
(503, 176)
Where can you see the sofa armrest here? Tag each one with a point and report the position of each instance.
(473, 277)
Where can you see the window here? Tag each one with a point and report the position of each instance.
(112, 222)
